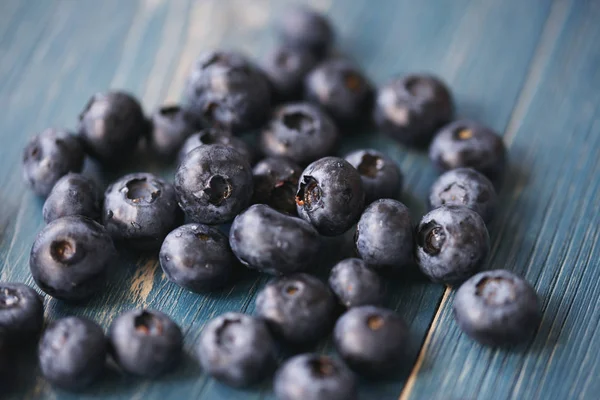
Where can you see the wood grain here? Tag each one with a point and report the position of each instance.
(528, 69)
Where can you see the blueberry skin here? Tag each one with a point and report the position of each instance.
(286, 67)
(72, 353)
(275, 183)
(469, 144)
(237, 349)
(225, 90)
(465, 187)
(298, 308)
(70, 258)
(412, 108)
(299, 131)
(49, 156)
(145, 343)
(170, 128)
(73, 194)
(111, 125)
(272, 242)
(215, 136)
(497, 308)
(140, 209)
(213, 184)
(355, 284)
(384, 235)
(342, 90)
(315, 377)
(371, 340)
(306, 29)
(452, 244)
(381, 177)
(330, 195)
(21, 312)
(197, 257)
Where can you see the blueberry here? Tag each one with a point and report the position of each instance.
(140, 209)
(49, 156)
(111, 125)
(452, 244)
(286, 67)
(341, 89)
(237, 349)
(330, 195)
(299, 131)
(465, 187)
(197, 257)
(412, 108)
(73, 194)
(314, 377)
(21, 312)
(215, 136)
(72, 352)
(298, 308)
(225, 90)
(170, 129)
(384, 235)
(304, 28)
(269, 241)
(497, 308)
(213, 184)
(381, 177)
(275, 183)
(469, 144)
(146, 343)
(371, 340)
(355, 284)
(70, 258)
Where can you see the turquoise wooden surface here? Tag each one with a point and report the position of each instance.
(529, 69)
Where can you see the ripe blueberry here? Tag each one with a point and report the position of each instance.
(275, 183)
(286, 67)
(215, 136)
(355, 284)
(304, 28)
(21, 312)
(381, 177)
(73, 194)
(170, 129)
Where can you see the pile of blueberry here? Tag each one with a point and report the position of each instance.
(281, 211)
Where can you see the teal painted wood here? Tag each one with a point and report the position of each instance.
(54, 54)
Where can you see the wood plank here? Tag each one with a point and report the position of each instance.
(555, 153)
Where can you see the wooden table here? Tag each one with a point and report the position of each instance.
(529, 69)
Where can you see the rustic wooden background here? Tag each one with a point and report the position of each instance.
(529, 69)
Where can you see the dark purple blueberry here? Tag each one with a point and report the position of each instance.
(299, 131)
(111, 126)
(49, 156)
(305, 28)
(21, 312)
(275, 184)
(225, 90)
(384, 235)
(380, 175)
(269, 241)
(298, 308)
(73, 194)
(412, 108)
(170, 128)
(342, 90)
(70, 258)
(197, 257)
(330, 195)
(140, 209)
(465, 187)
(72, 353)
(213, 184)
(215, 136)
(355, 284)
(452, 244)
(145, 343)
(371, 340)
(286, 67)
(469, 144)
(237, 349)
(315, 377)
(497, 308)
